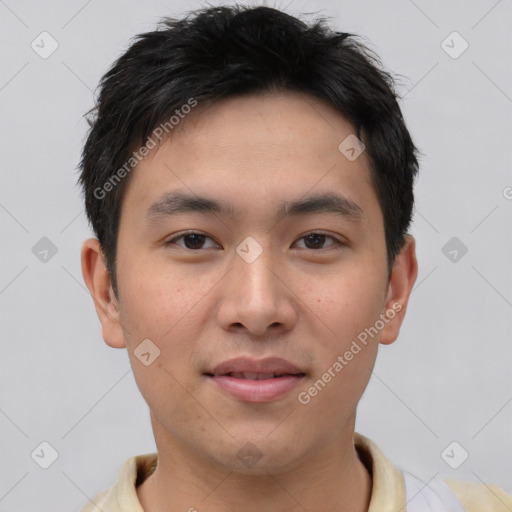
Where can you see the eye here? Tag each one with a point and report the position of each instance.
(192, 241)
(195, 241)
(316, 241)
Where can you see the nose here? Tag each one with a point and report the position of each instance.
(256, 297)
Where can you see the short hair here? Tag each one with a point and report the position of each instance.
(219, 52)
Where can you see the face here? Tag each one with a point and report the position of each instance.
(251, 255)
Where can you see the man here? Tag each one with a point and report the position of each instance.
(249, 179)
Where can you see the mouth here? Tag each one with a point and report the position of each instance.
(251, 380)
(257, 376)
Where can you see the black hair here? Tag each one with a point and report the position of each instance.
(218, 52)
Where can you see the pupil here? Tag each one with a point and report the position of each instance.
(315, 237)
(196, 240)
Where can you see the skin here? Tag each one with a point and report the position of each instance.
(302, 302)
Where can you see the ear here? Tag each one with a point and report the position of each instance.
(403, 277)
(97, 279)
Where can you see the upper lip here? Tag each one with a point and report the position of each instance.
(247, 365)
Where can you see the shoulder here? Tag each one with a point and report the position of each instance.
(122, 496)
(449, 495)
(479, 497)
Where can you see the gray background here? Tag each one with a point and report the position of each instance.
(448, 376)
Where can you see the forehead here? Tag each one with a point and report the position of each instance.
(259, 122)
(264, 147)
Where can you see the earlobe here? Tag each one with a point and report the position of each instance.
(403, 277)
(98, 282)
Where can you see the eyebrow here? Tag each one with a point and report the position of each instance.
(174, 203)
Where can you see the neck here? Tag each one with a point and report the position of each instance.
(333, 479)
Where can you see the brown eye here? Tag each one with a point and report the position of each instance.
(316, 241)
(192, 241)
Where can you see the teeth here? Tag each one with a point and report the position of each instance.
(264, 376)
(254, 376)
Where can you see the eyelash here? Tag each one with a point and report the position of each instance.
(337, 242)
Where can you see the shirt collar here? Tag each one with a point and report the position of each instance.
(388, 487)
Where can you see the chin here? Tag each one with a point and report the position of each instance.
(260, 456)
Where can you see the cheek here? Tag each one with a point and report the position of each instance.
(163, 309)
(159, 303)
(345, 304)
(345, 352)
(170, 397)
(173, 311)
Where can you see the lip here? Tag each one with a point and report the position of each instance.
(248, 365)
(258, 388)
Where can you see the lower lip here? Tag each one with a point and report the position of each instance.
(257, 390)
